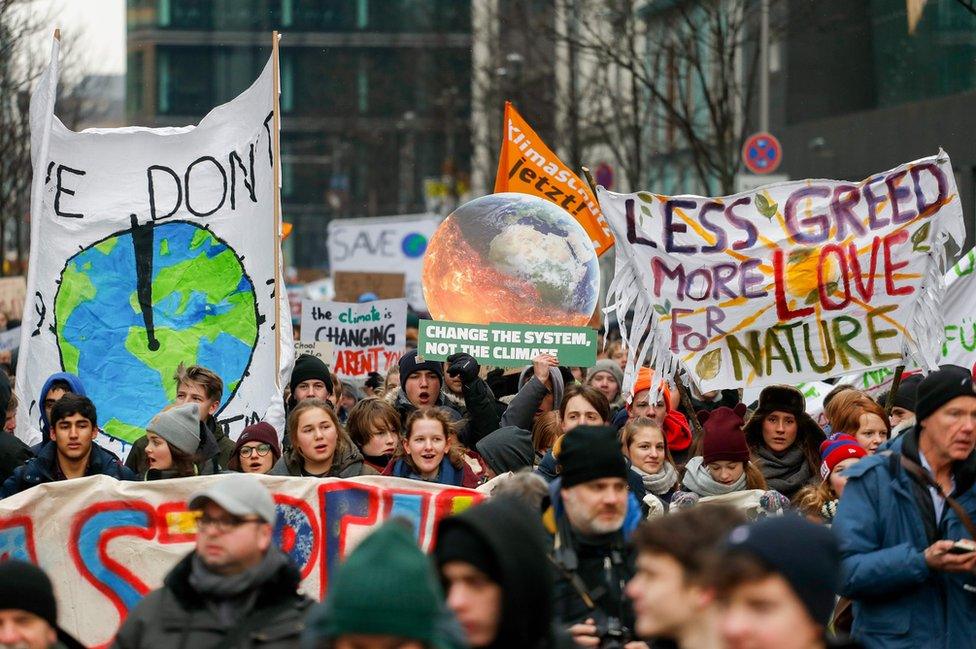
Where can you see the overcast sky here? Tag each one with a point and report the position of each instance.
(98, 26)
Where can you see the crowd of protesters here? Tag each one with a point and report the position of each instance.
(613, 519)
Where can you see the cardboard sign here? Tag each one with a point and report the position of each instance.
(106, 544)
(324, 351)
(384, 243)
(795, 282)
(153, 248)
(367, 337)
(350, 285)
(13, 292)
(507, 345)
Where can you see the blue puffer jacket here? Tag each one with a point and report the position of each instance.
(899, 603)
(41, 469)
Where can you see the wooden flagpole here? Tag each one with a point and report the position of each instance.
(276, 170)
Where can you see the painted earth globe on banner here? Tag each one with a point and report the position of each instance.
(511, 258)
(203, 313)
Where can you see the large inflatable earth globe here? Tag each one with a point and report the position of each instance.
(511, 258)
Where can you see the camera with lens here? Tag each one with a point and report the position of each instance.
(613, 634)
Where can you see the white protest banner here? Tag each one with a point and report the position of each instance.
(959, 339)
(105, 543)
(798, 281)
(151, 248)
(367, 337)
(384, 244)
(959, 346)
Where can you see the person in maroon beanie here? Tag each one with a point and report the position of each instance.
(725, 465)
(257, 449)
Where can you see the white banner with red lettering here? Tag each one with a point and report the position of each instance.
(105, 543)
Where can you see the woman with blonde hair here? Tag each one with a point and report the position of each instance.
(320, 448)
(645, 445)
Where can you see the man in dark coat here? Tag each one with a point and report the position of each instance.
(465, 391)
(911, 585)
(73, 452)
(492, 560)
(593, 562)
(236, 589)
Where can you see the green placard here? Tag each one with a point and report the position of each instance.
(507, 345)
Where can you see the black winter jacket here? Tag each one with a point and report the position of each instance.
(176, 616)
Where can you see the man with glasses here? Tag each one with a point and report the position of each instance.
(235, 589)
(257, 449)
(904, 525)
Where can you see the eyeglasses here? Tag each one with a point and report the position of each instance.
(260, 449)
(224, 524)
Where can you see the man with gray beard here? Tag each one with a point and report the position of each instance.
(593, 563)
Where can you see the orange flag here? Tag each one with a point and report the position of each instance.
(526, 165)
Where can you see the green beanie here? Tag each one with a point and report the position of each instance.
(387, 586)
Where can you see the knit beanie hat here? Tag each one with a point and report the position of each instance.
(590, 453)
(805, 554)
(387, 586)
(724, 439)
(941, 387)
(461, 543)
(308, 367)
(836, 449)
(179, 426)
(26, 587)
(606, 365)
(260, 432)
(409, 364)
(907, 393)
(644, 380)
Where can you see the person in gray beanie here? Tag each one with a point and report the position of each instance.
(901, 520)
(173, 437)
(236, 589)
(607, 377)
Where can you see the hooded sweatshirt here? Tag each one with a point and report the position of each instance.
(521, 411)
(76, 387)
(517, 549)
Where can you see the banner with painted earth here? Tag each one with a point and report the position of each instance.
(151, 248)
(106, 544)
(790, 283)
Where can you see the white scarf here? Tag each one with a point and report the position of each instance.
(700, 481)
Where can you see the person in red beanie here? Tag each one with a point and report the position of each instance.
(673, 423)
(839, 452)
